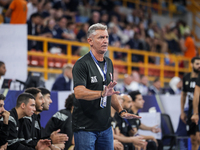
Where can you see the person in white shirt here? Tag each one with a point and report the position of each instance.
(2, 72)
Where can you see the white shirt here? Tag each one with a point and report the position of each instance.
(31, 10)
(71, 84)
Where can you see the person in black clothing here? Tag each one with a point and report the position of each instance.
(25, 107)
(62, 120)
(137, 103)
(123, 130)
(189, 82)
(32, 129)
(4, 128)
(93, 89)
(47, 97)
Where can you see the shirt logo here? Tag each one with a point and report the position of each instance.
(186, 82)
(94, 79)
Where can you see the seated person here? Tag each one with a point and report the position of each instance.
(64, 81)
(25, 107)
(123, 132)
(4, 129)
(137, 103)
(63, 120)
(32, 130)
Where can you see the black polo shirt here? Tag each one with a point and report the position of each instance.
(88, 115)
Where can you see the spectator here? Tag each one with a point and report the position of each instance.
(4, 128)
(135, 81)
(32, 8)
(63, 120)
(64, 81)
(189, 47)
(155, 88)
(25, 107)
(143, 86)
(137, 103)
(34, 25)
(17, 11)
(104, 18)
(122, 130)
(82, 34)
(175, 86)
(95, 18)
(125, 86)
(2, 72)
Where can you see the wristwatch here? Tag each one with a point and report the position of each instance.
(124, 110)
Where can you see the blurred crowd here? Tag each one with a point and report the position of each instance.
(129, 28)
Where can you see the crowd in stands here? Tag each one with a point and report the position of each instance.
(128, 28)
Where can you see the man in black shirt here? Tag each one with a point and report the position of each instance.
(25, 107)
(93, 89)
(62, 120)
(189, 82)
(138, 103)
(4, 128)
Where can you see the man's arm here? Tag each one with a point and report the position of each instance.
(195, 116)
(183, 99)
(81, 92)
(8, 13)
(153, 129)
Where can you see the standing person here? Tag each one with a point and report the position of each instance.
(189, 82)
(94, 95)
(17, 11)
(2, 72)
(25, 107)
(4, 129)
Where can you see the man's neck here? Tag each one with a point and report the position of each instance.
(99, 57)
(134, 110)
(194, 74)
(20, 113)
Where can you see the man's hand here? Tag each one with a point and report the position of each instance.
(42, 144)
(108, 91)
(195, 118)
(129, 116)
(60, 146)
(58, 138)
(183, 117)
(4, 147)
(154, 129)
(5, 115)
(138, 141)
(118, 145)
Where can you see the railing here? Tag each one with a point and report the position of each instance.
(128, 64)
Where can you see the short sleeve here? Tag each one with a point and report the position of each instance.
(198, 81)
(12, 5)
(79, 74)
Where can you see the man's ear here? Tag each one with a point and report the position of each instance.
(90, 41)
(23, 105)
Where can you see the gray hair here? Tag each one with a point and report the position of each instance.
(67, 66)
(95, 27)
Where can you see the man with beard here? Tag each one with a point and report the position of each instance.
(189, 82)
(47, 97)
(32, 129)
(4, 116)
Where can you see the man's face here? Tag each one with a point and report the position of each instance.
(127, 103)
(47, 101)
(2, 70)
(157, 85)
(139, 102)
(68, 73)
(1, 108)
(39, 100)
(196, 66)
(99, 41)
(63, 23)
(30, 108)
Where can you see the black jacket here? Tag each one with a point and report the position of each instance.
(15, 134)
(4, 132)
(61, 120)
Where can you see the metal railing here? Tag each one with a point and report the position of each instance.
(128, 64)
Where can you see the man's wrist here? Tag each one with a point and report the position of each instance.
(124, 110)
(196, 114)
